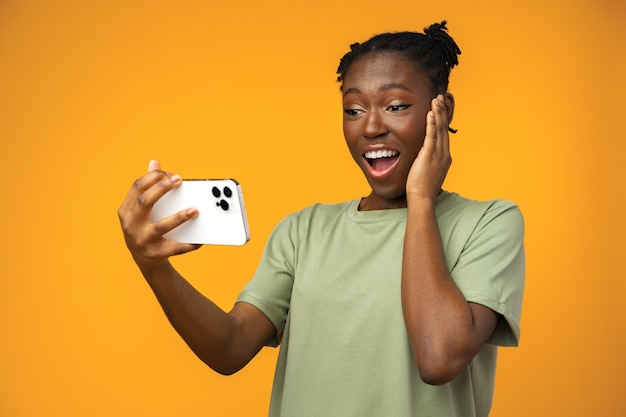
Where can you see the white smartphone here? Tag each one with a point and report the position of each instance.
(222, 216)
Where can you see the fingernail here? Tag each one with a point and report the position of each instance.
(174, 178)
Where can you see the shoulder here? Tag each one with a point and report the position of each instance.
(467, 224)
(319, 212)
(455, 203)
(318, 215)
(324, 209)
(454, 208)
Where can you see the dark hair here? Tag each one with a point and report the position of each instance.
(434, 51)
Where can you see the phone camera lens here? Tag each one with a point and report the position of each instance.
(227, 192)
(223, 204)
(216, 192)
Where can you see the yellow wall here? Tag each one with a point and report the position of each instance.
(90, 91)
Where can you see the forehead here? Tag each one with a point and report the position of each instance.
(384, 68)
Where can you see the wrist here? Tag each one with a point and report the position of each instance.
(153, 270)
(418, 198)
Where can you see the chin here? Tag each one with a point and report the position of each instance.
(387, 189)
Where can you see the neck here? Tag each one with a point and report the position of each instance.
(372, 202)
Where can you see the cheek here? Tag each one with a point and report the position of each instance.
(418, 125)
(348, 130)
(410, 130)
(350, 135)
(412, 136)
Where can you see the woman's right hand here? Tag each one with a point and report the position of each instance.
(144, 239)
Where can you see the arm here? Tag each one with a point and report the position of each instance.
(445, 331)
(224, 341)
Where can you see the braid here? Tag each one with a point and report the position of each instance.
(438, 32)
(434, 51)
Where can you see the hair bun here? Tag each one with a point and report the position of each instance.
(438, 32)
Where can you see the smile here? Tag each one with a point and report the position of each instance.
(381, 161)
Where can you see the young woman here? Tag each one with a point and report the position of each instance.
(393, 304)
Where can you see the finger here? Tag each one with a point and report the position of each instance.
(144, 192)
(140, 185)
(441, 122)
(431, 133)
(443, 137)
(166, 224)
(146, 181)
(175, 248)
(157, 189)
(166, 248)
(187, 247)
(153, 165)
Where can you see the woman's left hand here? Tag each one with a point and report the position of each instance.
(431, 166)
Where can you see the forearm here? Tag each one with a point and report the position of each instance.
(215, 336)
(224, 341)
(439, 321)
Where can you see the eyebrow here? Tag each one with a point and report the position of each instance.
(388, 86)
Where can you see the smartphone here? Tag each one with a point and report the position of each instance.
(222, 216)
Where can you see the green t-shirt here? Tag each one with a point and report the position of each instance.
(329, 280)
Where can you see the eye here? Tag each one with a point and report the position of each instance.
(352, 112)
(398, 107)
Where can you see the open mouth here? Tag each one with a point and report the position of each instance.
(382, 160)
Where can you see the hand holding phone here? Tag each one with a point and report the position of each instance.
(222, 216)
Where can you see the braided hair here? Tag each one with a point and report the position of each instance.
(434, 51)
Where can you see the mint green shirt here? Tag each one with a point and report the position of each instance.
(329, 280)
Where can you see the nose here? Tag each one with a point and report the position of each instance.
(374, 125)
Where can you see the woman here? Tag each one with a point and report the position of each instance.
(392, 304)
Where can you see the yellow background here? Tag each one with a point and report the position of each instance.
(90, 91)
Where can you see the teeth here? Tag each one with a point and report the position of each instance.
(383, 153)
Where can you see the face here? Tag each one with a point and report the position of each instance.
(385, 100)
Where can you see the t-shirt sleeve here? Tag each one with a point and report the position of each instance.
(491, 268)
(270, 288)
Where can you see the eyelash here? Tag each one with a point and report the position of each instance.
(392, 108)
(352, 112)
(398, 107)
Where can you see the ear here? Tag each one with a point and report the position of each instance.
(448, 100)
